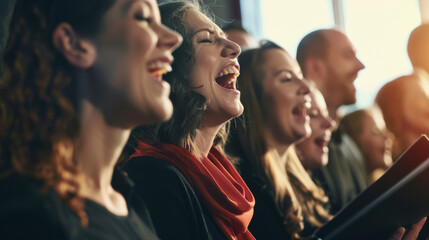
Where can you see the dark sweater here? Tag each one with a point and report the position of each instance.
(27, 212)
(176, 211)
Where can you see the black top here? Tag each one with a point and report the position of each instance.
(267, 221)
(28, 212)
(176, 211)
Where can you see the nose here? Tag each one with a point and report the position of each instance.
(328, 122)
(230, 49)
(168, 38)
(359, 64)
(304, 87)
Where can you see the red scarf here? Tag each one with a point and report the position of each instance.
(215, 181)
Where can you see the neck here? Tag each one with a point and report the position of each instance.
(97, 151)
(273, 144)
(205, 138)
(333, 113)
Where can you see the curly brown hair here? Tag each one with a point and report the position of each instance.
(189, 106)
(39, 101)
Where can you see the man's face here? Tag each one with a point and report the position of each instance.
(342, 67)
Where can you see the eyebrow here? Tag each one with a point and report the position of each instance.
(222, 34)
(276, 73)
(202, 30)
(127, 5)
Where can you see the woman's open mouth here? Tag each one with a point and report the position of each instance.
(227, 78)
(159, 68)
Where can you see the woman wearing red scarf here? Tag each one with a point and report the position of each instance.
(179, 167)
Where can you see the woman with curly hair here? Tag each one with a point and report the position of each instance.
(191, 188)
(78, 75)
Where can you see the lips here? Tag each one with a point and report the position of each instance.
(321, 142)
(227, 78)
(302, 109)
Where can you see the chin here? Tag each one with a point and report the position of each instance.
(160, 113)
(235, 112)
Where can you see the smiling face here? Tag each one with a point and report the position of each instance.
(285, 98)
(133, 51)
(342, 67)
(375, 141)
(214, 74)
(313, 151)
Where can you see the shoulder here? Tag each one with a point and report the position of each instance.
(401, 84)
(143, 168)
(27, 210)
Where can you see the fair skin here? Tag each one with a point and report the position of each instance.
(120, 70)
(242, 38)
(313, 151)
(285, 101)
(375, 142)
(214, 75)
(335, 73)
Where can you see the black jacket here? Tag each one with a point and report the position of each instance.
(176, 211)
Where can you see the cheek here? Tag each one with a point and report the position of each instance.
(142, 43)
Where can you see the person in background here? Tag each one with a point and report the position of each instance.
(289, 205)
(328, 58)
(276, 99)
(191, 188)
(405, 100)
(368, 129)
(78, 76)
(313, 151)
(236, 33)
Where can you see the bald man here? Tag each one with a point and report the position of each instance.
(328, 58)
(405, 100)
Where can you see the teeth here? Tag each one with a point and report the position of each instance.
(307, 105)
(228, 70)
(160, 65)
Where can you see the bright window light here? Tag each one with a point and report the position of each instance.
(379, 29)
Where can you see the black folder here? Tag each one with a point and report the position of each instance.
(399, 198)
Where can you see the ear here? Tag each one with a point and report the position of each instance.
(79, 52)
(315, 68)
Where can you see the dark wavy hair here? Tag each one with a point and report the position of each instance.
(39, 116)
(189, 106)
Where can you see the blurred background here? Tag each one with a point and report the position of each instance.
(379, 30)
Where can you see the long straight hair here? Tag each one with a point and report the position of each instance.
(295, 193)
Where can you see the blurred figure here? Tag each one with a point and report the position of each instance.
(328, 58)
(368, 129)
(79, 75)
(405, 100)
(236, 33)
(313, 151)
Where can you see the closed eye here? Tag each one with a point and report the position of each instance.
(140, 17)
(286, 80)
(206, 41)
